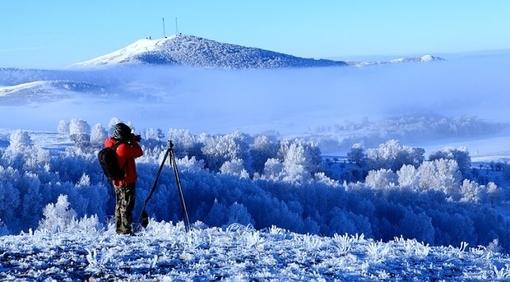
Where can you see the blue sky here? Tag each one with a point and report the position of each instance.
(56, 33)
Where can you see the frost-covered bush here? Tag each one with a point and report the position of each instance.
(60, 217)
(392, 155)
(79, 131)
(460, 155)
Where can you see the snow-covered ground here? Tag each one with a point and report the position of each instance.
(238, 253)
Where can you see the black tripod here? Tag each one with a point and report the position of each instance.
(170, 155)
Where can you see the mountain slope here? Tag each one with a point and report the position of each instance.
(195, 51)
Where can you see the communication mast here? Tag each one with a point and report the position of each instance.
(176, 26)
(164, 28)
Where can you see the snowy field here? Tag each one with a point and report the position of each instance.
(165, 252)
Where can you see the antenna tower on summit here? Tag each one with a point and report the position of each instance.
(164, 28)
(176, 26)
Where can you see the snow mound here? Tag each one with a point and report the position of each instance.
(165, 251)
(188, 50)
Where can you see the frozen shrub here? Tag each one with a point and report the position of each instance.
(383, 178)
(58, 216)
(98, 134)
(262, 149)
(79, 131)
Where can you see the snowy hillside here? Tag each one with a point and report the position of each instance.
(420, 59)
(188, 50)
(237, 253)
(45, 91)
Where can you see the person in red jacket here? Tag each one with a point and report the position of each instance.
(127, 151)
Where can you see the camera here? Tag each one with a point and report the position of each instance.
(136, 138)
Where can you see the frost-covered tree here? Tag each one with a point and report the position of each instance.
(442, 175)
(98, 134)
(79, 131)
(357, 155)
(63, 127)
(238, 213)
(186, 143)
(262, 149)
(234, 167)
(460, 155)
(408, 176)
(273, 169)
(220, 149)
(300, 160)
(392, 155)
(382, 178)
(20, 141)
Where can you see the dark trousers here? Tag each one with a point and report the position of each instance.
(124, 205)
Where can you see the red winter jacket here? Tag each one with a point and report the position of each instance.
(126, 155)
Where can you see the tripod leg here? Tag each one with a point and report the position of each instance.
(179, 190)
(144, 217)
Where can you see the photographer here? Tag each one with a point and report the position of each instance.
(127, 149)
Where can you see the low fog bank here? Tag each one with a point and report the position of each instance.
(288, 101)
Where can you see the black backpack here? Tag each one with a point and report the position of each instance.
(109, 163)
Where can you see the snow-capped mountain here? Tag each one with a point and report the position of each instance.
(188, 50)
